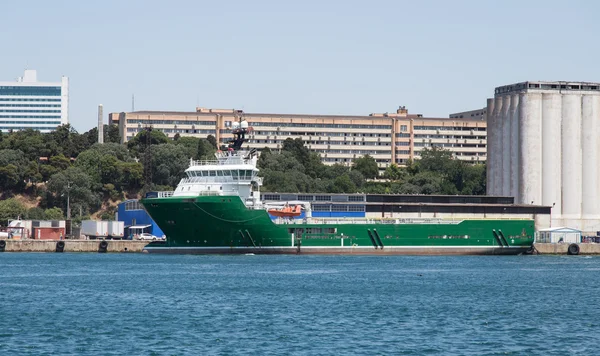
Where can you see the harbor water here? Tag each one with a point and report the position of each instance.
(116, 304)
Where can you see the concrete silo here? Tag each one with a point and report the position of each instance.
(506, 142)
(552, 152)
(590, 127)
(498, 147)
(546, 134)
(571, 157)
(514, 146)
(491, 166)
(530, 157)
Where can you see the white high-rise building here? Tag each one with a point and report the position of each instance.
(543, 149)
(28, 103)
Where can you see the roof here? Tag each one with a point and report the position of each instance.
(250, 115)
(560, 229)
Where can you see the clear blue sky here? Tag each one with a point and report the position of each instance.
(321, 57)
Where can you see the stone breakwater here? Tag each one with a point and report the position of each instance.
(72, 246)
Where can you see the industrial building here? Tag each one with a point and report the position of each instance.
(544, 149)
(473, 114)
(387, 137)
(135, 219)
(30, 104)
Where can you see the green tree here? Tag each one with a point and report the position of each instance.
(212, 140)
(393, 172)
(14, 165)
(131, 175)
(296, 147)
(357, 178)
(168, 164)
(144, 138)
(111, 134)
(335, 170)
(9, 177)
(11, 209)
(110, 163)
(75, 184)
(36, 213)
(435, 159)
(190, 144)
(60, 162)
(54, 214)
(367, 166)
(342, 184)
(206, 150)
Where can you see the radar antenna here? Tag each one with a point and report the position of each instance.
(239, 129)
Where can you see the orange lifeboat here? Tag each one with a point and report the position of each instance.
(287, 211)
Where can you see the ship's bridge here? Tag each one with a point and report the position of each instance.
(230, 174)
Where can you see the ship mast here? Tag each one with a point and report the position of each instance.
(239, 129)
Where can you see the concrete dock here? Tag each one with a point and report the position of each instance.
(112, 246)
(73, 246)
(561, 249)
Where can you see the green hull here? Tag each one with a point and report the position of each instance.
(223, 224)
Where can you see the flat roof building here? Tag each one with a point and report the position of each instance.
(388, 137)
(473, 114)
(30, 104)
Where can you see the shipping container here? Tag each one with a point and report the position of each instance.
(48, 233)
(94, 229)
(116, 229)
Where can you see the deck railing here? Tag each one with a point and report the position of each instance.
(382, 221)
(168, 194)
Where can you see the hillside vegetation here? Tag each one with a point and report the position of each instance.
(39, 172)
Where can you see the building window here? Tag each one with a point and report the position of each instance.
(323, 197)
(31, 90)
(133, 205)
(356, 198)
(403, 128)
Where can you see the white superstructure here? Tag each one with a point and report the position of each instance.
(544, 149)
(233, 173)
(28, 103)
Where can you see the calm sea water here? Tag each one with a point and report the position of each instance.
(135, 304)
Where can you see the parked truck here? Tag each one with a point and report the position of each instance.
(116, 229)
(94, 229)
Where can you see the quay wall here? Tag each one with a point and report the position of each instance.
(137, 246)
(561, 249)
(73, 246)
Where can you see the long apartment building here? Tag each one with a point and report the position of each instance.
(28, 103)
(389, 137)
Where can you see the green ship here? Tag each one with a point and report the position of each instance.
(216, 209)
